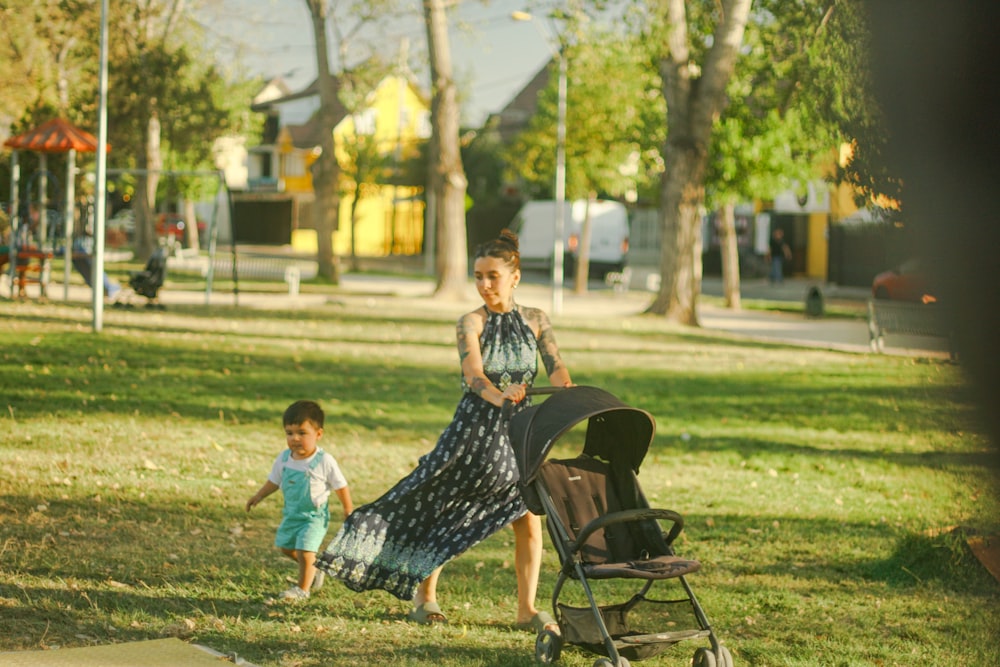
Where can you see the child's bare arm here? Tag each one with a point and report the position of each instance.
(344, 495)
(264, 491)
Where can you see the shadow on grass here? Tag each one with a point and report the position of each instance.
(81, 616)
(107, 566)
(340, 316)
(270, 324)
(158, 379)
(389, 385)
(941, 558)
(770, 449)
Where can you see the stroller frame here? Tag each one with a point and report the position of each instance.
(147, 282)
(602, 527)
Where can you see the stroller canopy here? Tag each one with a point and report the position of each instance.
(616, 432)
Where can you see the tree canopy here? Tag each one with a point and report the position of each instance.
(614, 121)
(50, 56)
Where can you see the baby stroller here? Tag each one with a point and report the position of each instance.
(605, 533)
(147, 282)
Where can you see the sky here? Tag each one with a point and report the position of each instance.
(493, 55)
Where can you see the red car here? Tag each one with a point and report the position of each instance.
(172, 224)
(904, 283)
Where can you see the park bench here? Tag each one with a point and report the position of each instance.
(31, 266)
(886, 316)
(266, 267)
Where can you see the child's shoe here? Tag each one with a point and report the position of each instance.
(294, 594)
(318, 580)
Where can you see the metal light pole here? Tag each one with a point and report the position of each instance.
(100, 194)
(559, 231)
(558, 244)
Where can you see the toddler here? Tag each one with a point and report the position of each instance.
(306, 475)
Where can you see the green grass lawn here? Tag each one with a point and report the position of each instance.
(826, 494)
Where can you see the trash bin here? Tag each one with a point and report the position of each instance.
(814, 302)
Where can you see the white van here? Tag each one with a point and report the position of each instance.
(534, 225)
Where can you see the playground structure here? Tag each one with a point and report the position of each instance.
(30, 246)
(37, 234)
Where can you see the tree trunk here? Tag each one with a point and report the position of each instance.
(354, 227)
(683, 192)
(191, 225)
(149, 162)
(326, 170)
(145, 232)
(694, 98)
(154, 158)
(730, 256)
(448, 175)
(582, 273)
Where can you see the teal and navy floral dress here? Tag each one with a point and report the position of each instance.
(462, 491)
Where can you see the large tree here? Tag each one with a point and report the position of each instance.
(836, 78)
(165, 106)
(447, 177)
(158, 96)
(326, 170)
(46, 50)
(694, 87)
(347, 23)
(614, 121)
(367, 162)
(770, 137)
(47, 61)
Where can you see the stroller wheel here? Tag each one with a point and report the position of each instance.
(723, 658)
(703, 657)
(605, 662)
(548, 646)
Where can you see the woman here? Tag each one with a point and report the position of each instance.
(465, 489)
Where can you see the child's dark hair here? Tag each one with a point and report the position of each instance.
(300, 412)
(504, 247)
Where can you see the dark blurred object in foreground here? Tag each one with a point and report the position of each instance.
(937, 78)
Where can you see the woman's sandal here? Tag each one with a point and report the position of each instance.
(427, 613)
(539, 623)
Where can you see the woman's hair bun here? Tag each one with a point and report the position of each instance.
(504, 247)
(510, 237)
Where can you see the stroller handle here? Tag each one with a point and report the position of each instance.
(530, 391)
(538, 391)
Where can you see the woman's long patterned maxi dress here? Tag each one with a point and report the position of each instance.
(461, 492)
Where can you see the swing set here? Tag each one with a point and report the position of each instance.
(42, 226)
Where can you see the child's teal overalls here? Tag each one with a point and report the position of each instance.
(303, 525)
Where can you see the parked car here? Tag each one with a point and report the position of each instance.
(172, 225)
(907, 282)
(120, 228)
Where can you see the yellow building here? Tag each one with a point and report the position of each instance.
(372, 145)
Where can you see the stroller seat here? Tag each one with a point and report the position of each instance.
(148, 282)
(618, 542)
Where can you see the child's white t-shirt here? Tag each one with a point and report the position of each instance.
(323, 479)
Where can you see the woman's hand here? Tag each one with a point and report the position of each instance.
(514, 393)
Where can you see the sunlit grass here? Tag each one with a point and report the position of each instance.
(826, 494)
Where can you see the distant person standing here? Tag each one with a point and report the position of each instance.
(778, 253)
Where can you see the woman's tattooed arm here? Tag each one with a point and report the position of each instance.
(468, 330)
(547, 347)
